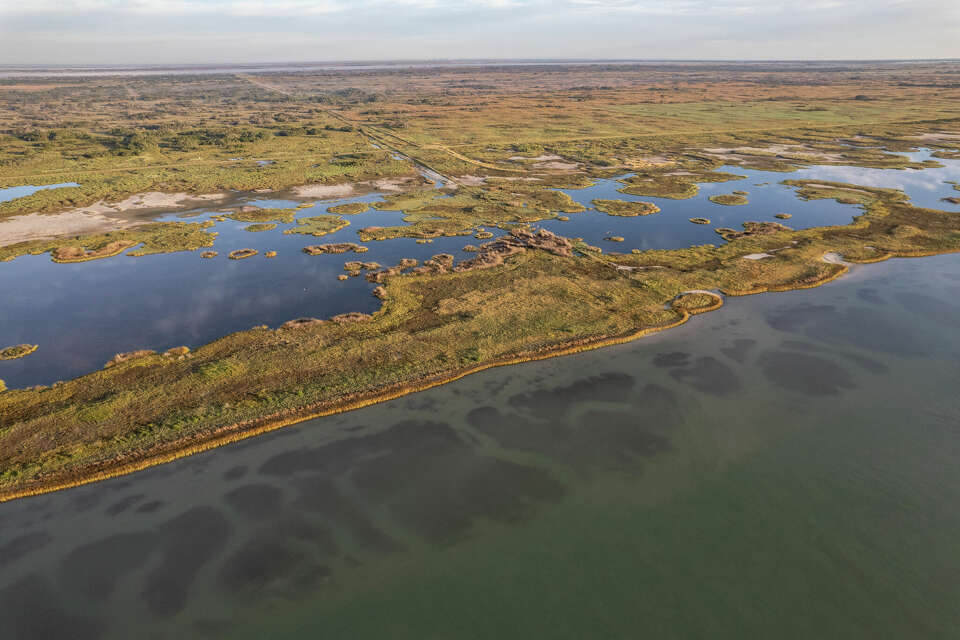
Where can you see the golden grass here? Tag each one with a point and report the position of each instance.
(439, 324)
(625, 208)
(351, 208)
(729, 199)
(17, 351)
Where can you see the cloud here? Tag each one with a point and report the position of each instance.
(139, 31)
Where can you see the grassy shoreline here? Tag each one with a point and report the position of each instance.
(441, 322)
(242, 431)
(379, 358)
(236, 433)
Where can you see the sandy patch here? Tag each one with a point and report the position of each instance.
(565, 166)
(471, 181)
(37, 226)
(95, 218)
(657, 160)
(833, 258)
(391, 184)
(153, 200)
(542, 158)
(326, 190)
(757, 256)
(929, 137)
(787, 151)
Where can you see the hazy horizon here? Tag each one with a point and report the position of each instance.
(189, 32)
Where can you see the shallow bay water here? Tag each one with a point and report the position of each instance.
(783, 467)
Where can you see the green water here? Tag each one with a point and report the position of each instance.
(784, 467)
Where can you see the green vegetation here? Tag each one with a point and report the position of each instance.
(341, 247)
(752, 229)
(695, 302)
(660, 186)
(503, 152)
(351, 208)
(429, 216)
(263, 226)
(678, 185)
(842, 192)
(729, 199)
(433, 326)
(625, 208)
(241, 254)
(153, 238)
(256, 214)
(318, 225)
(17, 351)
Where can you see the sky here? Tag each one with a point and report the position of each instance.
(224, 31)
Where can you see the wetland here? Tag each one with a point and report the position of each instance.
(589, 485)
(279, 352)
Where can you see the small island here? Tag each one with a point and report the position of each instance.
(17, 351)
(625, 208)
(351, 208)
(729, 199)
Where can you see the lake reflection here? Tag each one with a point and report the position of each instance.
(80, 315)
(762, 471)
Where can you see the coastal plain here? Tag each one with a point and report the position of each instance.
(483, 155)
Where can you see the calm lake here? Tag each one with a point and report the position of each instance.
(82, 314)
(785, 467)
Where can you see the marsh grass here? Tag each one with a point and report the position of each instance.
(697, 302)
(350, 208)
(625, 208)
(17, 351)
(435, 326)
(256, 214)
(263, 226)
(729, 199)
(318, 225)
(149, 239)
